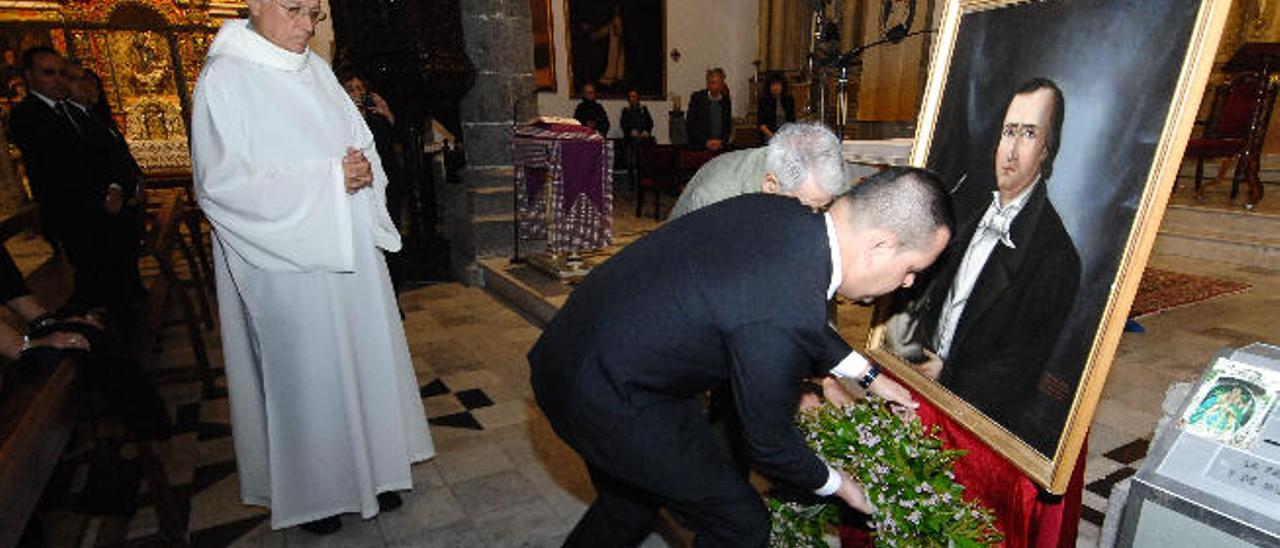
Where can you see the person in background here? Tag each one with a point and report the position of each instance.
(590, 113)
(18, 299)
(776, 106)
(389, 140)
(386, 138)
(710, 121)
(772, 169)
(77, 183)
(87, 97)
(106, 366)
(636, 123)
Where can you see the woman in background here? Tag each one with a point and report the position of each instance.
(776, 107)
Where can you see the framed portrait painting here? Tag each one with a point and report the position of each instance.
(1058, 128)
(617, 45)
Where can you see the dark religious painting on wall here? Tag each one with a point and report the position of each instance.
(544, 49)
(617, 45)
(1059, 128)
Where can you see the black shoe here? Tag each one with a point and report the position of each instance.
(389, 501)
(326, 526)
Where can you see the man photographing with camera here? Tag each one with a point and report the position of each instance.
(388, 140)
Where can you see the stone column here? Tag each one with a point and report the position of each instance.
(498, 35)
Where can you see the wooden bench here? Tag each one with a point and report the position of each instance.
(37, 419)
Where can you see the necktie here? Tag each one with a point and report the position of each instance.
(997, 225)
(71, 119)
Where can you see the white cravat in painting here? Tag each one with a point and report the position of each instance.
(992, 229)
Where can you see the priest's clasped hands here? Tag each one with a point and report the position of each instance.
(357, 173)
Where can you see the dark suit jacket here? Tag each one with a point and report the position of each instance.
(733, 293)
(124, 168)
(592, 112)
(635, 118)
(69, 172)
(767, 114)
(1014, 315)
(699, 120)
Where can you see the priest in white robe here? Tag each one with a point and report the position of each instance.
(325, 408)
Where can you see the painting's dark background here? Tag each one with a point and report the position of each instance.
(1117, 63)
(643, 41)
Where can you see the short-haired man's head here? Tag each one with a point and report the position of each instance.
(910, 202)
(30, 54)
(42, 70)
(589, 91)
(1053, 138)
(81, 87)
(715, 81)
(805, 158)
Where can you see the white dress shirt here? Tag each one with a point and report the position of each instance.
(992, 229)
(853, 366)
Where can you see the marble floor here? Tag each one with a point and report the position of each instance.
(502, 478)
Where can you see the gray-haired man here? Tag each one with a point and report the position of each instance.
(779, 168)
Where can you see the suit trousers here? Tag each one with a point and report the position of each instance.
(665, 454)
(104, 258)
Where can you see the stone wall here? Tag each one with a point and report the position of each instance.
(478, 211)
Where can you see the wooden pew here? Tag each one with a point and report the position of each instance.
(37, 419)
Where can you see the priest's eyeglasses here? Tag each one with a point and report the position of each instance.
(297, 12)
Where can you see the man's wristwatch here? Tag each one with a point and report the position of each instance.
(869, 377)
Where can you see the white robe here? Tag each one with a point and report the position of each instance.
(325, 407)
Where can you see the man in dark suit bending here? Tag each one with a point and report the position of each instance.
(733, 293)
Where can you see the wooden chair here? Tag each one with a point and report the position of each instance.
(38, 419)
(1236, 129)
(163, 240)
(693, 160)
(657, 167)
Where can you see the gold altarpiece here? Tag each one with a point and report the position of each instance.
(148, 53)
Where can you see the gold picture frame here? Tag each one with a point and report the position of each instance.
(1132, 75)
(544, 47)
(617, 46)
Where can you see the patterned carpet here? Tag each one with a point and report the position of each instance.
(1163, 290)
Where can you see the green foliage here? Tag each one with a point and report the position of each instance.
(907, 475)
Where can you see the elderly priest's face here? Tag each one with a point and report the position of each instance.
(288, 24)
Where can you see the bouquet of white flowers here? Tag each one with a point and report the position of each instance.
(907, 475)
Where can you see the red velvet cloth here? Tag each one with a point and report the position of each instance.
(1025, 520)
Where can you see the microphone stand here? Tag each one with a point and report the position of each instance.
(515, 189)
(849, 58)
(515, 181)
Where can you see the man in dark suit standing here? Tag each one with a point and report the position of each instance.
(590, 112)
(995, 308)
(736, 294)
(710, 122)
(77, 179)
